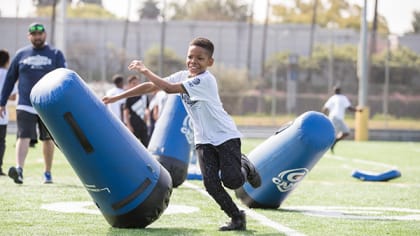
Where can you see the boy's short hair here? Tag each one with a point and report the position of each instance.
(118, 79)
(337, 90)
(203, 43)
(132, 77)
(4, 57)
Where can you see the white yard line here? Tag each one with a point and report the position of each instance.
(374, 163)
(258, 217)
(415, 149)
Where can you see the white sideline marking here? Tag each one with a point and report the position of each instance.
(414, 147)
(374, 163)
(258, 217)
(359, 213)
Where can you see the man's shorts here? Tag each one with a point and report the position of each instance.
(340, 126)
(27, 124)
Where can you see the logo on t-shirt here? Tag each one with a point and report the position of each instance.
(187, 99)
(195, 81)
(139, 107)
(37, 62)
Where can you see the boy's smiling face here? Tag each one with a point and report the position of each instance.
(198, 59)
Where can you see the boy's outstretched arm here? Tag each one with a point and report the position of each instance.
(155, 79)
(143, 88)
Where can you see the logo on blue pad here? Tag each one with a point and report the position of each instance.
(187, 129)
(288, 179)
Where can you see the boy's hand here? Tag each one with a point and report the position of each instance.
(138, 66)
(107, 100)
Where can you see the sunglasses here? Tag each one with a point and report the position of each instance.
(34, 28)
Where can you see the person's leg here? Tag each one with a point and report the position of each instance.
(48, 152)
(22, 146)
(342, 131)
(26, 130)
(141, 133)
(16, 173)
(209, 166)
(231, 171)
(3, 129)
(48, 147)
(236, 167)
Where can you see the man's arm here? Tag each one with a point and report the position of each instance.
(354, 109)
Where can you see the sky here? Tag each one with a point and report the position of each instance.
(399, 13)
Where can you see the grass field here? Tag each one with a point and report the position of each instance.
(327, 202)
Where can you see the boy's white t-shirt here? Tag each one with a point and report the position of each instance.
(211, 123)
(337, 105)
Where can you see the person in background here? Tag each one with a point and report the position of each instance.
(155, 108)
(28, 66)
(4, 64)
(217, 139)
(117, 108)
(335, 107)
(136, 112)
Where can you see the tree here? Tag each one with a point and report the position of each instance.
(87, 10)
(340, 12)
(172, 63)
(149, 10)
(209, 10)
(43, 3)
(416, 22)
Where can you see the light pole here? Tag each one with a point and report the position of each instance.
(361, 129)
(162, 39)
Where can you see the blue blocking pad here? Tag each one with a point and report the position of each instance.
(172, 139)
(285, 158)
(384, 176)
(130, 187)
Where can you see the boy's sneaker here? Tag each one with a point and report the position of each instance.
(16, 174)
(47, 177)
(1, 172)
(253, 177)
(238, 222)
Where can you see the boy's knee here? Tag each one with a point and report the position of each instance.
(233, 183)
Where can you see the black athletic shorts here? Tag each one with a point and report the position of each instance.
(27, 124)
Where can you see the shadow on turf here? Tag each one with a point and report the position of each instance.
(166, 231)
(153, 231)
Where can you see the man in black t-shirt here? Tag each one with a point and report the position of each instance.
(136, 113)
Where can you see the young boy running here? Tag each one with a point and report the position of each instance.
(216, 137)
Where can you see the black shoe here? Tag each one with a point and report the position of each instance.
(2, 173)
(16, 174)
(253, 177)
(332, 147)
(237, 222)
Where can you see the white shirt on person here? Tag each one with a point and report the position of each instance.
(116, 107)
(158, 100)
(211, 123)
(337, 106)
(5, 119)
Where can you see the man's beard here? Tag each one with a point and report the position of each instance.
(38, 43)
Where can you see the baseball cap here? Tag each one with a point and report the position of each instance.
(34, 27)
